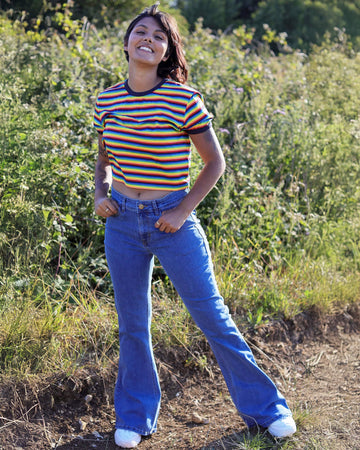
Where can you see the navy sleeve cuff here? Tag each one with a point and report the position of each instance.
(200, 130)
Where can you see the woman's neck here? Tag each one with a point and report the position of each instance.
(142, 80)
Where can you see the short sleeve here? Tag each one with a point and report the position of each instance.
(197, 119)
(98, 117)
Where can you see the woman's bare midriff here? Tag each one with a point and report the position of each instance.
(137, 194)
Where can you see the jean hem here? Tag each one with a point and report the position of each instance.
(136, 430)
(273, 419)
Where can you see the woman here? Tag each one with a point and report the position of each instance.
(145, 124)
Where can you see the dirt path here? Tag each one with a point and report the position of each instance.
(315, 362)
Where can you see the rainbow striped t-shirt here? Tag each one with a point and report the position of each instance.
(146, 134)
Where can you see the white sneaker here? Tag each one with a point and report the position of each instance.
(282, 427)
(127, 438)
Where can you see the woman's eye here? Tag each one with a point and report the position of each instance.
(159, 37)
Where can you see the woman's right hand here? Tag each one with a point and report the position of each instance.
(106, 207)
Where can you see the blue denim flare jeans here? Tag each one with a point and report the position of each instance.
(131, 241)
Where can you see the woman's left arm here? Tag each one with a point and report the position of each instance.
(209, 149)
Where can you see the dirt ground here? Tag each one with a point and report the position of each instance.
(314, 360)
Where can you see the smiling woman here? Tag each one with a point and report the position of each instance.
(146, 125)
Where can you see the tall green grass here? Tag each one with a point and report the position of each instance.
(283, 222)
(43, 335)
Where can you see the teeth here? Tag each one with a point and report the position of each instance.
(147, 49)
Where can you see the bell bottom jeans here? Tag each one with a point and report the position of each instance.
(131, 241)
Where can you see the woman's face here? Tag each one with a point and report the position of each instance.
(147, 43)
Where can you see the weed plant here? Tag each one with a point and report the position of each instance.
(283, 222)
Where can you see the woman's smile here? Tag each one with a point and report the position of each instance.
(146, 49)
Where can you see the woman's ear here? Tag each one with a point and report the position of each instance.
(167, 54)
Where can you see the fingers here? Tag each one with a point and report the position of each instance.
(171, 220)
(110, 208)
(107, 208)
(165, 227)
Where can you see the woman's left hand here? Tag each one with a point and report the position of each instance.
(172, 220)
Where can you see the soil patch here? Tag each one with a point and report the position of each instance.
(314, 360)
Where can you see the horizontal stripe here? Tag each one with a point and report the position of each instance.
(128, 177)
(155, 131)
(149, 141)
(151, 172)
(175, 163)
(135, 150)
(139, 127)
(152, 186)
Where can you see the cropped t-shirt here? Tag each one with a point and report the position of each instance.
(146, 134)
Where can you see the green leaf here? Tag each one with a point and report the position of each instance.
(68, 218)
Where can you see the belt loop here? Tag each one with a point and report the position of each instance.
(123, 204)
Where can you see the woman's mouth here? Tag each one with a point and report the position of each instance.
(146, 49)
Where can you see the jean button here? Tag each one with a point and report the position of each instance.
(141, 206)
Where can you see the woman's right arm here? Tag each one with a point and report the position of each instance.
(104, 206)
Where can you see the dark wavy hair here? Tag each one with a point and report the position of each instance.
(175, 67)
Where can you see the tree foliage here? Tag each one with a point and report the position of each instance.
(307, 21)
(101, 13)
(216, 14)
